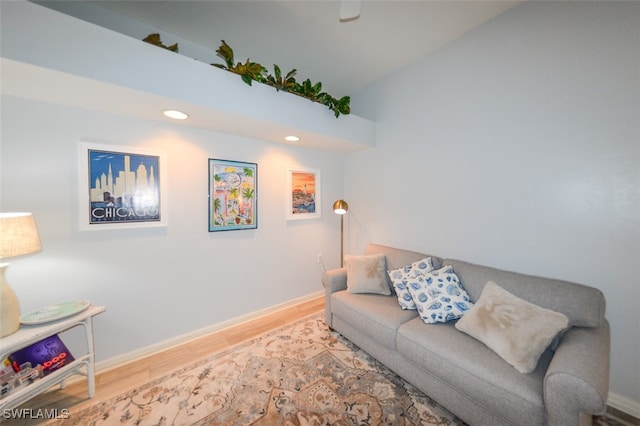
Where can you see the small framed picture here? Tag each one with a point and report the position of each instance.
(303, 194)
(233, 195)
(121, 187)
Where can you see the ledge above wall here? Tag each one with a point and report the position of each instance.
(53, 57)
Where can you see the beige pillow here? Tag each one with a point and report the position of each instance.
(515, 329)
(367, 274)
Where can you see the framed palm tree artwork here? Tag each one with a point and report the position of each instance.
(233, 195)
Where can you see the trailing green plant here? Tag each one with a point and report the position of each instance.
(252, 71)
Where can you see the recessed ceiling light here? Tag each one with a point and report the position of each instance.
(292, 138)
(175, 114)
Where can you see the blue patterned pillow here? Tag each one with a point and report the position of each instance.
(440, 296)
(402, 277)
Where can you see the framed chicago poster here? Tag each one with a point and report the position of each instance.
(233, 195)
(121, 187)
(303, 194)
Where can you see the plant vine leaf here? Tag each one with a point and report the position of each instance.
(285, 83)
(226, 53)
(157, 41)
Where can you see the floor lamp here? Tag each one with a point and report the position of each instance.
(341, 207)
(18, 236)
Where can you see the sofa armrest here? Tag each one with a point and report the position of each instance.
(576, 384)
(333, 280)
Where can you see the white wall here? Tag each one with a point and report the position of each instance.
(158, 283)
(518, 146)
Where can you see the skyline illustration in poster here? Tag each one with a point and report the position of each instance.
(124, 187)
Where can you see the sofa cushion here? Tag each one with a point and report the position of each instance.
(374, 315)
(473, 369)
(439, 296)
(515, 329)
(402, 277)
(367, 274)
(585, 307)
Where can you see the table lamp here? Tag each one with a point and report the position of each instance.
(18, 236)
(341, 207)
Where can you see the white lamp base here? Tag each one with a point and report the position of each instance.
(9, 306)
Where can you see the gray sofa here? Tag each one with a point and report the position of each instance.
(568, 385)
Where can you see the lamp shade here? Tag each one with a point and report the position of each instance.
(18, 235)
(340, 207)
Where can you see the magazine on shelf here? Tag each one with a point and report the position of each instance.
(50, 353)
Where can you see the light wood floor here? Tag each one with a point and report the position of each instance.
(116, 380)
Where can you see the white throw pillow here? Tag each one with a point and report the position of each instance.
(439, 296)
(515, 329)
(402, 277)
(367, 274)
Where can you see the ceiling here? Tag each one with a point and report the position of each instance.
(304, 34)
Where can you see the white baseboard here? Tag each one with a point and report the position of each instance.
(624, 404)
(125, 358)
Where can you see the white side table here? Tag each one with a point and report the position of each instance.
(28, 334)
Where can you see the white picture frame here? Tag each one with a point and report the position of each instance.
(304, 194)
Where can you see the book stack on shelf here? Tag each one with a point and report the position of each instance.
(29, 364)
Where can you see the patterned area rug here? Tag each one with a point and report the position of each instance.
(301, 374)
